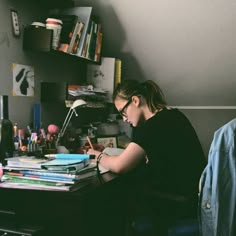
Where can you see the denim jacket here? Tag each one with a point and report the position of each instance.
(217, 199)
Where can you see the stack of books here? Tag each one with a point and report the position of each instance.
(64, 173)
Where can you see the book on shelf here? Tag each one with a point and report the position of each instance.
(84, 15)
(98, 46)
(105, 75)
(90, 43)
(87, 39)
(118, 64)
(94, 34)
(75, 38)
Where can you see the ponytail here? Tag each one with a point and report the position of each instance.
(149, 90)
(153, 94)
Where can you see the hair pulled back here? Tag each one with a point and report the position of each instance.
(149, 90)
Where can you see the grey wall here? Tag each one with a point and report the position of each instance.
(48, 68)
(186, 46)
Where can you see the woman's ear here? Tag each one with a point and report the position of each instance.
(136, 100)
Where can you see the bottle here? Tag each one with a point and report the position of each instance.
(6, 130)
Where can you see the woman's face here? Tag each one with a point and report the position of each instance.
(129, 110)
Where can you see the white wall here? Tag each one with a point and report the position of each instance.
(187, 46)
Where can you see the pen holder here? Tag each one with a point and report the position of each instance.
(34, 149)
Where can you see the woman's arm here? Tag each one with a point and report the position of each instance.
(126, 161)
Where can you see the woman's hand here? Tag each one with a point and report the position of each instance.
(94, 153)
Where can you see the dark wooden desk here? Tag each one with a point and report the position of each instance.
(96, 209)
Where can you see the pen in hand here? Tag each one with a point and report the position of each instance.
(90, 144)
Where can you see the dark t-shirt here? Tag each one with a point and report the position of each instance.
(176, 158)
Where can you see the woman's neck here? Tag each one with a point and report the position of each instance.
(148, 114)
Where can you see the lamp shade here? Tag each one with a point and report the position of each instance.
(77, 103)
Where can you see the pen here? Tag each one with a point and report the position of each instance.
(89, 141)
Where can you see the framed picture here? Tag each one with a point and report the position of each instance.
(107, 141)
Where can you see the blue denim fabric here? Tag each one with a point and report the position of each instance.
(217, 199)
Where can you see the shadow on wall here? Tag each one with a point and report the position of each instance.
(114, 39)
(57, 67)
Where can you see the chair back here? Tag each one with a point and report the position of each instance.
(217, 199)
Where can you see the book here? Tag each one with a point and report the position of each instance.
(77, 39)
(36, 179)
(87, 39)
(69, 187)
(40, 174)
(75, 36)
(67, 162)
(118, 63)
(93, 39)
(26, 162)
(84, 15)
(103, 76)
(98, 46)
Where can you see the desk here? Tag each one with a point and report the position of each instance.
(96, 209)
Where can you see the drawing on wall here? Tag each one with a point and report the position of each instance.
(23, 80)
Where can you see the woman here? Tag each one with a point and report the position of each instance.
(164, 160)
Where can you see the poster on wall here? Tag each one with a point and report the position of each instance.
(23, 80)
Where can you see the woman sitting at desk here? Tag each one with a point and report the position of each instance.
(164, 160)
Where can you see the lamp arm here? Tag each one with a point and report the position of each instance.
(66, 123)
(61, 133)
(67, 116)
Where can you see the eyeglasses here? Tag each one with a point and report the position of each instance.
(122, 110)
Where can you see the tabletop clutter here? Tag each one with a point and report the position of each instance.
(36, 164)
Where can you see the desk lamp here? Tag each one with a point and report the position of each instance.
(76, 103)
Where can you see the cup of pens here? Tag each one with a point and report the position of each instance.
(33, 147)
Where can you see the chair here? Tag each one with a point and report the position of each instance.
(217, 200)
